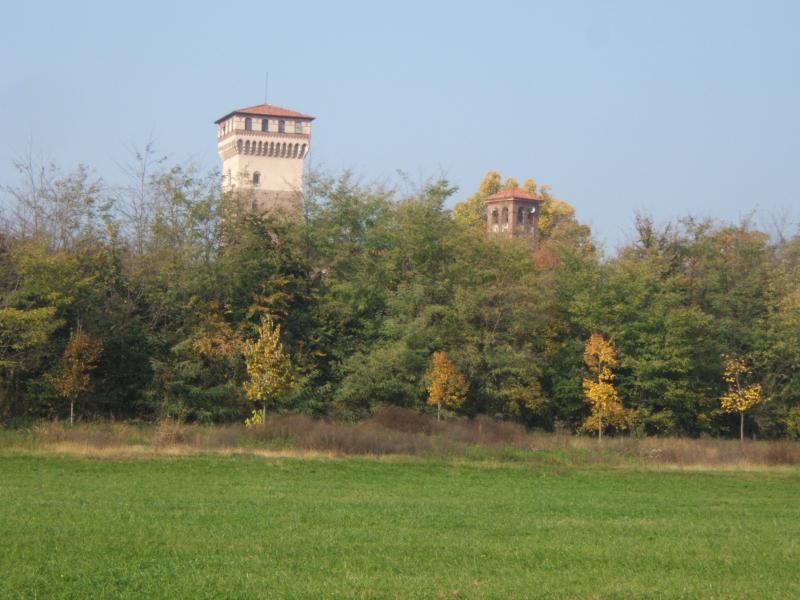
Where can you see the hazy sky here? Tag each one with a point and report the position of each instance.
(670, 108)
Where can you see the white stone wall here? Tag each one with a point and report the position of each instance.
(280, 173)
(236, 122)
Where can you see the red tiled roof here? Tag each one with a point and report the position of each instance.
(517, 193)
(267, 110)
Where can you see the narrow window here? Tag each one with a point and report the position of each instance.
(530, 214)
(248, 124)
(298, 127)
(494, 216)
(505, 214)
(281, 126)
(520, 217)
(264, 124)
(256, 178)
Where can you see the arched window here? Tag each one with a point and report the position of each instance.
(256, 178)
(520, 215)
(531, 211)
(248, 124)
(264, 124)
(505, 214)
(495, 216)
(247, 147)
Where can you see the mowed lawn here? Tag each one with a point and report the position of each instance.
(247, 527)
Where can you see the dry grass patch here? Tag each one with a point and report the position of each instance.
(396, 431)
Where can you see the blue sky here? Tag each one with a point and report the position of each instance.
(670, 108)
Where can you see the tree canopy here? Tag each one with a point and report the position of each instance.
(173, 280)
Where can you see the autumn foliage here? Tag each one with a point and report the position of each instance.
(600, 356)
(740, 396)
(78, 361)
(268, 367)
(447, 387)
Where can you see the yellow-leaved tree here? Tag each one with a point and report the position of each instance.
(521, 398)
(447, 387)
(77, 363)
(268, 367)
(471, 211)
(600, 356)
(740, 395)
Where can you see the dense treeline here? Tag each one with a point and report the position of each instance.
(169, 278)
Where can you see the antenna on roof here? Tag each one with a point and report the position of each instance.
(266, 86)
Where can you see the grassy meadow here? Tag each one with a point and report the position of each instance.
(214, 525)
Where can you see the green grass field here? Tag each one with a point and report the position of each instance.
(246, 527)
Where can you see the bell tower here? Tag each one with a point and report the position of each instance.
(513, 212)
(263, 150)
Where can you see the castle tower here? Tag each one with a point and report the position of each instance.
(263, 150)
(513, 212)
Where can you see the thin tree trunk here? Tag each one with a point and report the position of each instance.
(264, 414)
(741, 426)
(438, 410)
(600, 425)
(71, 412)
